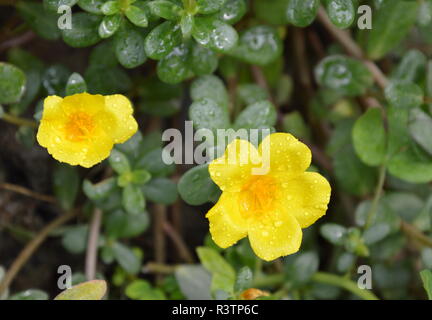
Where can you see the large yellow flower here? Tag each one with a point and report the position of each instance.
(272, 208)
(81, 129)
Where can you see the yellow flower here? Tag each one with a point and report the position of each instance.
(82, 129)
(272, 208)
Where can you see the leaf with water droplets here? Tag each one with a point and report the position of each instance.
(174, 67)
(75, 84)
(137, 16)
(12, 83)
(119, 162)
(334, 233)
(196, 187)
(133, 200)
(259, 45)
(401, 94)
(84, 31)
(302, 13)
(261, 114)
(203, 60)
(165, 9)
(162, 40)
(211, 87)
(209, 6)
(341, 12)
(214, 34)
(232, 11)
(109, 25)
(129, 48)
(207, 114)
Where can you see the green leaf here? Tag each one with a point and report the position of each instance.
(420, 129)
(110, 7)
(161, 190)
(165, 9)
(107, 80)
(140, 177)
(376, 233)
(119, 162)
(174, 67)
(334, 233)
(90, 290)
(369, 137)
(223, 275)
(345, 262)
(126, 258)
(186, 25)
(272, 12)
(194, 282)
(232, 11)
(341, 12)
(347, 75)
(109, 25)
(133, 200)
(392, 22)
(202, 60)
(196, 187)
(31, 294)
(129, 48)
(210, 87)
(142, 290)
(294, 123)
(424, 16)
(207, 114)
(43, 22)
(119, 224)
(214, 34)
(66, 184)
(84, 31)
(153, 162)
(75, 239)
(302, 268)
(53, 5)
(92, 6)
(404, 94)
(162, 40)
(426, 276)
(411, 66)
(351, 174)
(32, 68)
(12, 83)
(261, 114)
(302, 13)
(209, 6)
(75, 84)
(54, 79)
(250, 93)
(244, 279)
(100, 190)
(258, 45)
(407, 161)
(137, 16)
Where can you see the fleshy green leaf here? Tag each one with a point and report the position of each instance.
(137, 16)
(341, 12)
(109, 25)
(66, 184)
(302, 13)
(162, 40)
(90, 290)
(12, 83)
(209, 6)
(174, 67)
(404, 94)
(261, 114)
(129, 48)
(214, 34)
(369, 137)
(127, 259)
(420, 129)
(76, 84)
(84, 31)
(207, 114)
(196, 187)
(133, 200)
(347, 75)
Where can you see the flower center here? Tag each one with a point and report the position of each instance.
(79, 126)
(257, 195)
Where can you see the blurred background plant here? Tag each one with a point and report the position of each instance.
(360, 99)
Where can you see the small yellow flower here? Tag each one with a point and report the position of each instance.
(270, 209)
(82, 129)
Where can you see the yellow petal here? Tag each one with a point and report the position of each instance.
(91, 104)
(275, 234)
(306, 197)
(120, 123)
(52, 108)
(234, 168)
(285, 154)
(226, 224)
(97, 150)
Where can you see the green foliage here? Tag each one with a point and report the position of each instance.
(90, 290)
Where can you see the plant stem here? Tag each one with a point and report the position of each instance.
(352, 48)
(189, 5)
(321, 277)
(27, 192)
(347, 284)
(18, 121)
(31, 247)
(416, 234)
(92, 245)
(378, 191)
